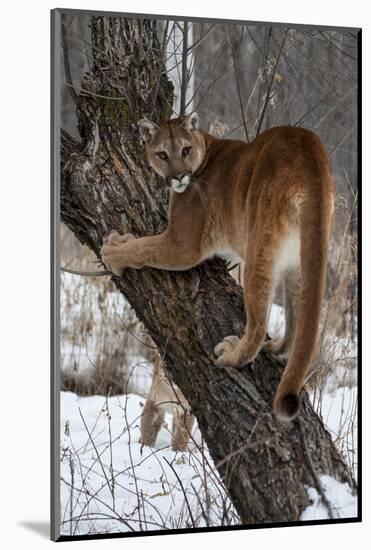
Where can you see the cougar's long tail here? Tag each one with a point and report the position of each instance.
(315, 216)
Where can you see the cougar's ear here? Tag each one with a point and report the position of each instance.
(147, 129)
(191, 122)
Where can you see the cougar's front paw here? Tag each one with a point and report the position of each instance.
(113, 251)
(226, 351)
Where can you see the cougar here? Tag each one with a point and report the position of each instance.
(268, 203)
(163, 398)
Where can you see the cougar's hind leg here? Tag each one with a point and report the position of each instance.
(259, 286)
(259, 280)
(150, 423)
(282, 346)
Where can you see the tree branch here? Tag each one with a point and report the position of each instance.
(66, 60)
(184, 83)
(87, 273)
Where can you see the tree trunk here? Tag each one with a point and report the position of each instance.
(106, 184)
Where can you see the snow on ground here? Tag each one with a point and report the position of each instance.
(110, 484)
(343, 503)
(276, 324)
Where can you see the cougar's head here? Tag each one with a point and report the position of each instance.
(175, 149)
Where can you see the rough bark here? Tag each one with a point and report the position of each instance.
(106, 184)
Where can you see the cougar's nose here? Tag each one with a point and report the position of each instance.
(179, 176)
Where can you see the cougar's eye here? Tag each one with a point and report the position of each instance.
(162, 155)
(186, 151)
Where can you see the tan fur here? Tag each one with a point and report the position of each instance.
(268, 202)
(163, 398)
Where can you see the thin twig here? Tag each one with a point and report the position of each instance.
(66, 60)
(183, 491)
(184, 83)
(235, 58)
(340, 143)
(271, 84)
(72, 470)
(132, 464)
(103, 273)
(200, 39)
(133, 335)
(111, 455)
(103, 503)
(311, 468)
(160, 72)
(96, 451)
(240, 449)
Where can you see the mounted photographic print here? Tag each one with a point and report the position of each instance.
(205, 317)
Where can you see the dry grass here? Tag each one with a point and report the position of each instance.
(100, 333)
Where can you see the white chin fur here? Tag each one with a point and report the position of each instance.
(180, 186)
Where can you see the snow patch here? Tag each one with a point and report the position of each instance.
(339, 495)
(110, 484)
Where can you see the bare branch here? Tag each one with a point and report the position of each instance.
(270, 85)
(160, 72)
(66, 60)
(345, 136)
(104, 273)
(235, 55)
(198, 42)
(184, 82)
